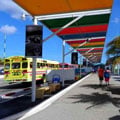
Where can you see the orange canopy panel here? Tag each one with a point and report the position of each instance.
(46, 7)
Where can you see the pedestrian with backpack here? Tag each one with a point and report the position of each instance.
(107, 75)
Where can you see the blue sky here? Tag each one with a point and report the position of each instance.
(114, 26)
(11, 23)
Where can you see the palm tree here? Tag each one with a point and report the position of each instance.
(114, 51)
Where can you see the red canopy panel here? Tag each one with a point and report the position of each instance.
(82, 29)
(89, 49)
(83, 40)
(96, 50)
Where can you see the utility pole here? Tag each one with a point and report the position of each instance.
(4, 50)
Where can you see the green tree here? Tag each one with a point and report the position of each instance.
(113, 51)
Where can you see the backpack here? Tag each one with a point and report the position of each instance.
(106, 74)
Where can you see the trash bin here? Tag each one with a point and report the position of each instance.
(55, 87)
(39, 93)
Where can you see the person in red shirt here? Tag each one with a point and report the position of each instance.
(100, 74)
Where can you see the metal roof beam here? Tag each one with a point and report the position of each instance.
(88, 51)
(65, 26)
(76, 48)
(73, 14)
(83, 38)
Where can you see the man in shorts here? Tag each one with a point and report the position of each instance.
(100, 74)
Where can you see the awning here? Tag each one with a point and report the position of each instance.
(48, 7)
(82, 24)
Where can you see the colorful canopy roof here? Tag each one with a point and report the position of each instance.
(81, 23)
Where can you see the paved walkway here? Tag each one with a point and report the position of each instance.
(85, 101)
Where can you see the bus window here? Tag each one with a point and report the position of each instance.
(31, 65)
(24, 65)
(65, 66)
(38, 65)
(7, 60)
(50, 65)
(46, 65)
(56, 66)
(60, 66)
(53, 66)
(7, 66)
(43, 64)
(15, 65)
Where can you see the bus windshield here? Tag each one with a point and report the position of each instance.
(7, 66)
(15, 65)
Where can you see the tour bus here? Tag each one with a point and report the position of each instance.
(19, 69)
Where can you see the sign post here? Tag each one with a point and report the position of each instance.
(33, 49)
(34, 80)
(63, 50)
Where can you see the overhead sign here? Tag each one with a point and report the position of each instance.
(74, 58)
(33, 44)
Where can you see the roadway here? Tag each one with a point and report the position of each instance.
(12, 91)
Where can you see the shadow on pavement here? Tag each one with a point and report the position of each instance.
(17, 105)
(94, 86)
(15, 86)
(96, 99)
(117, 117)
(114, 90)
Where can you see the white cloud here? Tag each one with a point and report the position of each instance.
(9, 6)
(8, 29)
(116, 20)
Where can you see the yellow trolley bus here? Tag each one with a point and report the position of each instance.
(19, 69)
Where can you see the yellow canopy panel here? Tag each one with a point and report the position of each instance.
(46, 7)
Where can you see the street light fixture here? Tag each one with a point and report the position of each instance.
(23, 16)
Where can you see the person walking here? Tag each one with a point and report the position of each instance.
(107, 76)
(100, 74)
